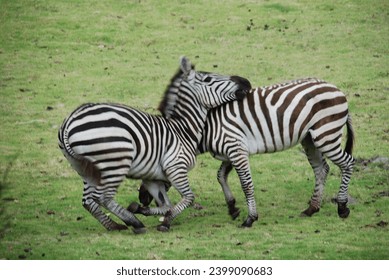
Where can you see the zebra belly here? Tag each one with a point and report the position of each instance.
(153, 172)
(257, 145)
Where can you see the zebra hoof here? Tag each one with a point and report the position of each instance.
(249, 222)
(343, 210)
(234, 213)
(139, 230)
(232, 210)
(163, 228)
(117, 227)
(309, 211)
(133, 207)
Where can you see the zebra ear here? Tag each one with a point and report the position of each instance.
(185, 66)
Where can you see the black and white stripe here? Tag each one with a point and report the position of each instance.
(274, 118)
(105, 143)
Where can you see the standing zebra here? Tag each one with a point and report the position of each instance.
(271, 119)
(105, 143)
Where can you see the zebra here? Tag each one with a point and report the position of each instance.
(106, 142)
(270, 119)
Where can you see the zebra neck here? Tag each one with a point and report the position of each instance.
(189, 126)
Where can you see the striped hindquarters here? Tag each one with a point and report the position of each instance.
(112, 138)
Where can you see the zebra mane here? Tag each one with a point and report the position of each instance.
(167, 105)
(169, 100)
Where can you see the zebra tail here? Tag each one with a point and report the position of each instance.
(350, 136)
(90, 172)
(84, 166)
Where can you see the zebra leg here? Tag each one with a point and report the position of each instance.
(242, 167)
(222, 176)
(149, 190)
(345, 162)
(101, 196)
(320, 169)
(124, 215)
(178, 177)
(90, 204)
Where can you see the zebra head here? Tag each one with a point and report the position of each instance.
(208, 89)
(213, 89)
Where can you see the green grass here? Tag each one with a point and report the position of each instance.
(55, 55)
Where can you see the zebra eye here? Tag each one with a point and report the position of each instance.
(207, 79)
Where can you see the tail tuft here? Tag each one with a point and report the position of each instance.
(350, 136)
(89, 171)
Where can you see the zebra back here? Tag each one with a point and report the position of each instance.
(277, 117)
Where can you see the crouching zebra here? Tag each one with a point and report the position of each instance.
(105, 143)
(271, 119)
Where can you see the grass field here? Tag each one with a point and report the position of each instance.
(55, 55)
